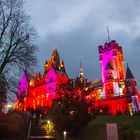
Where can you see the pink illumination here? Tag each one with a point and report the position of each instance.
(112, 65)
(23, 85)
(51, 83)
(113, 94)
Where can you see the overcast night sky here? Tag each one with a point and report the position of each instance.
(79, 26)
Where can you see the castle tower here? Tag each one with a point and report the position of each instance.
(130, 82)
(132, 90)
(112, 67)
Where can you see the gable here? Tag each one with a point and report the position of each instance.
(23, 85)
(51, 76)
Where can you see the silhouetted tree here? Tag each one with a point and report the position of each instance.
(69, 114)
(17, 49)
(3, 97)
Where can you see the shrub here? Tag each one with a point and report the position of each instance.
(12, 124)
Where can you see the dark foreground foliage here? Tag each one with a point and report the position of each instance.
(128, 127)
(12, 124)
(69, 115)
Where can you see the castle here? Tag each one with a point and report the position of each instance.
(116, 92)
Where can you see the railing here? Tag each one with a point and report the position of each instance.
(29, 130)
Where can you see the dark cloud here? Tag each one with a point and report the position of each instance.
(79, 26)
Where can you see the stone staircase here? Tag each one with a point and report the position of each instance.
(39, 133)
(37, 130)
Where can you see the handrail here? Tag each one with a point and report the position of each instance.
(29, 130)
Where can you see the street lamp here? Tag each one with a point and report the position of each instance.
(65, 135)
(48, 127)
(48, 121)
(9, 106)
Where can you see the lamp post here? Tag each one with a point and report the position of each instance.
(65, 135)
(48, 127)
(48, 122)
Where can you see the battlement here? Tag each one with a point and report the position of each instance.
(109, 46)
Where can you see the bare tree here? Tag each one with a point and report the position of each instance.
(17, 49)
(3, 97)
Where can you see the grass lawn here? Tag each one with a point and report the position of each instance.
(128, 127)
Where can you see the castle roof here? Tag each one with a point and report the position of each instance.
(96, 84)
(56, 63)
(129, 74)
(61, 73)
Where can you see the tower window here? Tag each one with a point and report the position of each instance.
(51, 80)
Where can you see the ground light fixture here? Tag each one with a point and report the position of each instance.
(65, 135)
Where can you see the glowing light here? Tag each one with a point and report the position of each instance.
(86, 89)
(130, 109)
(48, 121)
(9, 106)
(65, 132)
(31, 83)
(65, 135)
(49, 127)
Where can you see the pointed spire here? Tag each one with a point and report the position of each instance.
(129, 74)
(45, 67)
(46, 62)
(54, 62)
(55, 53)
(81, 74)
(54, 59)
